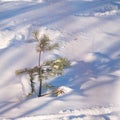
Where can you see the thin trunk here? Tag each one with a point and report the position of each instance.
(39, 59)
(40, 86)
(32, 84)
(39, 75)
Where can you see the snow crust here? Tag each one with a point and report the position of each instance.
(88, 34)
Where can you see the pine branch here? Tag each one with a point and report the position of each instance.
(44, 40)
(58, 63)
(36, 35)
(44, 43)
(51, 47)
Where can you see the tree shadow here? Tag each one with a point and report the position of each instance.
(8, 107)
(76, 117)
(88, 74)
(20, 10)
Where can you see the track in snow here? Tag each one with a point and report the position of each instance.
(91, 113)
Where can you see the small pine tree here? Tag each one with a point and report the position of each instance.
(42, 46)
(47, 68)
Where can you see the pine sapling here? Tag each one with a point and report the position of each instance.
(44, 44)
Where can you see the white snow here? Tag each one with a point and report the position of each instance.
(5, 41)
(65, 89)
(116, 73)
(88, 33)
(91, 57)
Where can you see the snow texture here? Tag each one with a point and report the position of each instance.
(88, 32)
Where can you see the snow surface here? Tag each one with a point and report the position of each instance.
(88, 32)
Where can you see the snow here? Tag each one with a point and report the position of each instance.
(91, 57)
(117, 73)
(88, 34)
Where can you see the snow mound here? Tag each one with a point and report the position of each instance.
(9, 37)
(5, 38)
(94, 81)
(99, 57)
(105, 10)
(64, 89)
(112, 12)
(116, 73)
(26, 85)
(23, 35)
(73, 63)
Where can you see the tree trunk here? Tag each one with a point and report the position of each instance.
(39, 76)
(40, 86)
(32, 84)
(39, 59)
